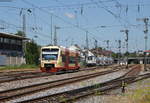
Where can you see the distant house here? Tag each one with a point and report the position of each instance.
(101, 52)
(11, 49)
(147, 52)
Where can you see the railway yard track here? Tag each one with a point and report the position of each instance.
(6, 77)
(7, 95)
(69, 96)
(17, 92)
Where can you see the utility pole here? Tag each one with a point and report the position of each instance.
(87, 41)
(126, 32)
(23, 13)
(87, 46)
(119, 50)
(72, 41)
(95, 43)
(24, 34)
(51, 29)
(107, 45)
(107, 42)
(96, 47)
(145, 20)
(24, 24)
(119, 47)
(55, 35)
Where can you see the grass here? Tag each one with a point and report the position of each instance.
(142, 94)
(14, 67)
(145, 99)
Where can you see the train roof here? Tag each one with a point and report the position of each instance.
(50, 47)
(59, 47)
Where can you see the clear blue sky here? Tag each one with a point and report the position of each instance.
(102, 18)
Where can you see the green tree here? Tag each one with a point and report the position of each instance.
(20, 33)
(115, 55)
(32, 53)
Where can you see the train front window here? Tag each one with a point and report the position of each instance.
(90, 58)
(50, 50)
(50, 54)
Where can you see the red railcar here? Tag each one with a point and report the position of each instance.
(55, 59)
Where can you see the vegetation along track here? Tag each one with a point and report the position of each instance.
(22, 91)
(29, 75)
(69, 96)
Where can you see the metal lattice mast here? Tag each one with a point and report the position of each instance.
(127, 35)
(24, 25)
(145, 20)
(87, 41)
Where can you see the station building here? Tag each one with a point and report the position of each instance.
(11, 49)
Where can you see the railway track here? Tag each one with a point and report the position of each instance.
(22, 76)
(30, 75)
(19, 73)
(69, 96)
(22, 91)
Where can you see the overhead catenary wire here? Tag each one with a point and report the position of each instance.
(60, 18)
(105, 26)
(77, 6)
(77, 21)
(110, 12)
(37, 33)
(18, 28)
(14, 26)
(34, 13)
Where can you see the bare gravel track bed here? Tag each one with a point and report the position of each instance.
(26, 82)
(72, 86)
(134, 94)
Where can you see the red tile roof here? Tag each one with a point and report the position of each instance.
(148, 51)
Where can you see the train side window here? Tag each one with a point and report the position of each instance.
(72, 60)
(63, 58)
(78, 59)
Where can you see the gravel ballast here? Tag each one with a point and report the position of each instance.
(26, 82)
(72, 86)
(134, 94)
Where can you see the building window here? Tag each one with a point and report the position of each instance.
(19, 42)
(6, 40)
(1, 39)
(13, 41)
